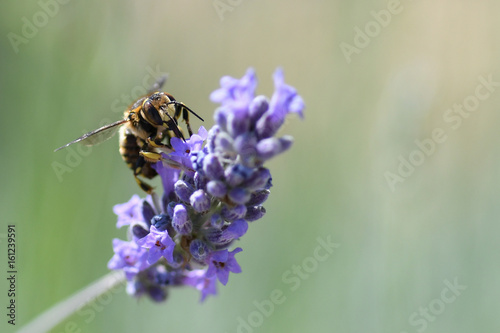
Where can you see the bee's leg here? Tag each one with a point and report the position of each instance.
(185, 116)
(156, 143)
(180, 107)
(151, 157)
(137, 171)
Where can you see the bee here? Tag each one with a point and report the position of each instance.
(145, 131)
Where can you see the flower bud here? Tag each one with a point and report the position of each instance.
(257, 107)
(212, 167)
(258, 198)
(199, 249)
(180, 221)
(234, 213)
(200, 201)
(161, 222)
(183, 190)
(216, 188)
(254, 213)
(239, 195)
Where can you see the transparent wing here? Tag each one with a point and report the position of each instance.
(97, 136)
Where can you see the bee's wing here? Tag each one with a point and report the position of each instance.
(97, 136)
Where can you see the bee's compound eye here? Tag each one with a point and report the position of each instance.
(151, 113)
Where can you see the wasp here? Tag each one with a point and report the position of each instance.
(145, 131)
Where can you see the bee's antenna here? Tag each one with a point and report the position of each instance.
(184, 106)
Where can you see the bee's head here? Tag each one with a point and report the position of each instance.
(155, 108)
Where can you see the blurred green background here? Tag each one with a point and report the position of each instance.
(378, 78)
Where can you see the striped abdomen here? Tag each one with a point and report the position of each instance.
(129, 149)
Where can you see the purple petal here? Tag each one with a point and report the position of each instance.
(203, 133)
(199, 280)
(233, 265)
(223, 276)
(168, 176)
(153, 256)
(178, 144)
(220, 256)
(209, 288)
(236, 93)
(129, 212)
(237, 229)
(284, 100)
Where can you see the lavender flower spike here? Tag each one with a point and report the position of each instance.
(210, 199)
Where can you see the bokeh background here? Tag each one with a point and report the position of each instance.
(369, 100)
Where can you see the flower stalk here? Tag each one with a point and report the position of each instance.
(55, 315)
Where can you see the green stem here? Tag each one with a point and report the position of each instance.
(62, 310)
(156, 202)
